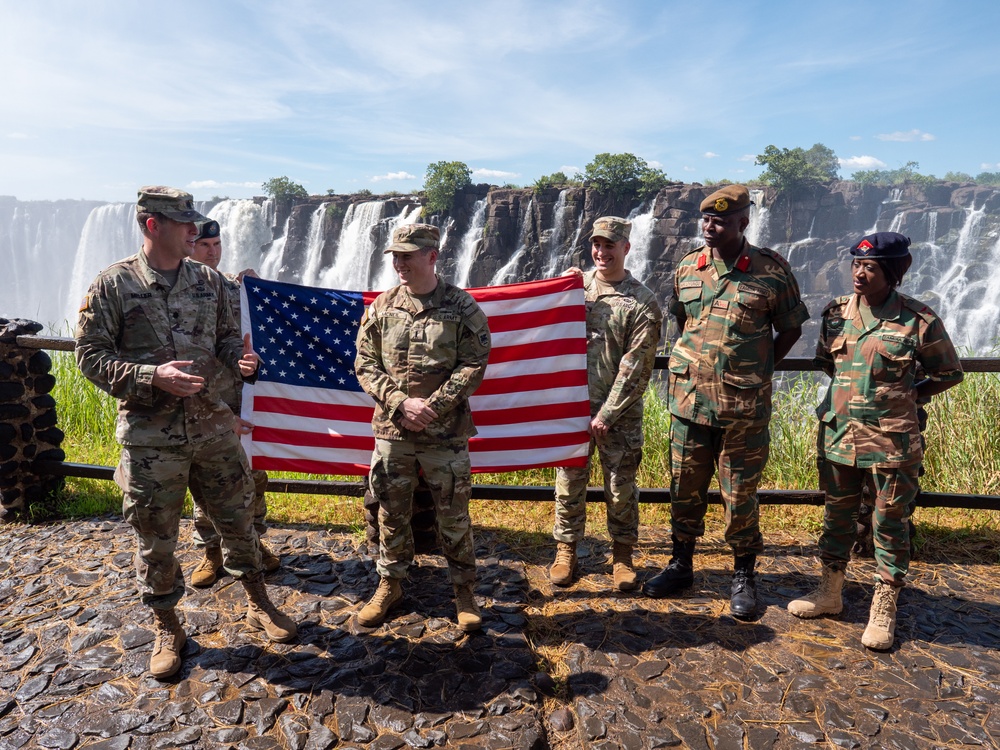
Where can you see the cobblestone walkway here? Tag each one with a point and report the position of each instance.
(629, 672)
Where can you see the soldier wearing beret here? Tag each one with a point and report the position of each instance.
(156, 331)
(208, 250)
(623, 329)
(873, 343)
(422, 352)
(739, 312)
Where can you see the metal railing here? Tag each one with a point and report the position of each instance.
(539, 493)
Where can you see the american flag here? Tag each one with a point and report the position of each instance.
(310, 414)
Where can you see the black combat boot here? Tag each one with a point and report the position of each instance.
(743, 596)
(677, 576)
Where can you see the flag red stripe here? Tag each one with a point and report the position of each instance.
(541, 382)
(313, 439)
(537, 318)
(296, 408)
(527, 442)
(306, 466)
(525, 289)
(556, 348)
(523, 414)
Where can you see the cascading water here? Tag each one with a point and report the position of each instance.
(508, 273)
(314, 247)
(245, 228)
(273, 265)
(640, 237)
(388, 278)
(758, 230)
(470, 240)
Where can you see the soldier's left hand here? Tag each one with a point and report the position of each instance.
(242, 426)
(249, 361)
(599, 428)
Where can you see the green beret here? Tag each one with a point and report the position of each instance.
(727, 200)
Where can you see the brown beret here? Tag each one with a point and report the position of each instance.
(727, 200)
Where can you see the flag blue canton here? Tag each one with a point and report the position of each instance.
(304, 336)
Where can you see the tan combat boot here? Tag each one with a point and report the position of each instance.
(263, 615)
(208, 569)
(387, 595)
(269, 562)
(621, 557)
(825, 600)
(469, 617)
(170, 639)
(563, 568)
(881, 630)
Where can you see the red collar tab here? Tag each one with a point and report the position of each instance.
(702, 261)
(743, 264)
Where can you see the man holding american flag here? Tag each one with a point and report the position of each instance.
(422, 351)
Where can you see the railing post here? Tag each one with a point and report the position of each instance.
(28, 430)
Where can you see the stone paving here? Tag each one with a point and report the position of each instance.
(580, 667)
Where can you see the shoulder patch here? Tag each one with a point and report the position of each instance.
(918, 307)
(85, 304)
(772, 254)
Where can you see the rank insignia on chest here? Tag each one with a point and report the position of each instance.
(702, 261)
(743, 264)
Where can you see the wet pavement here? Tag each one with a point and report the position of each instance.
(581, 667)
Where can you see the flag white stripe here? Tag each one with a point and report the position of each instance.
(546, 397)
(540, 366)
(487, 459)
(493, 308)
(528, 429)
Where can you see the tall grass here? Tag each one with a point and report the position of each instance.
(963, 456)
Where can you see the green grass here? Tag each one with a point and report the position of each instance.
(963, 456)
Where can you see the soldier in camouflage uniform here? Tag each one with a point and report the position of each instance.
(156, 332)
(739, 312)
(208, 250)
(422, 351)
(623, 329)
(872, 343)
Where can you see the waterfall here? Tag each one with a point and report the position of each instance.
(470, 241)
(314, 247)
(111, 233)
(388, 277)
(758, 231)
(897, 222)
(640, 237)
(355, 247)
(245, 228)
(508, 273)
(932, 226)
(561, 253)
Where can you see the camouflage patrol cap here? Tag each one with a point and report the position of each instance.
(882, 246)
(208, 231)
(173, 203)
(614, 228)
(727, 200)
(412, 237)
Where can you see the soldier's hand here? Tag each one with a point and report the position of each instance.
(249, 361)
(242, 426)
(411, 425)
(417, 411)
(170, 377)
(573, 271)
(249, 272)
(599, 428)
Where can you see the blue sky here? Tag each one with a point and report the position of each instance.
(101, 97)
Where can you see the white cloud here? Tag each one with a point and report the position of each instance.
(570, 170)
(710, 155)
(214, 184)
(480, 172)
(654, 164)
(855, 137)
(986, 166)
(688, 169)
(19, 136)
(862, 162)
(906, 136)
(394, 176)
(748, 157)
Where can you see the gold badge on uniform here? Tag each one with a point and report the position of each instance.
(86, 303)
(721, 204)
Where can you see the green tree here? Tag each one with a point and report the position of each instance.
(442, 182)
(893, 177)
(988, 178)
(551, 180)
(623, 176)
(957, 177)
(793, 170)
(281, 188)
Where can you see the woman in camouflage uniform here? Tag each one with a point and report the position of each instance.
(872, 343)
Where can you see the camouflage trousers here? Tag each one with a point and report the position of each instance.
(739, 454)
(620, 454)
(154, 481)
(895, 490)
(448, 474)
(205, 534)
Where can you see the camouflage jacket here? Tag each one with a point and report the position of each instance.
(721, 366)
(869, 414)
(131, 321)
(231, 384)
(623, 329)
(433, 348)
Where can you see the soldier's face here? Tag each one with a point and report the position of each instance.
(416, 270)
(175, 237)
(609, 257)
(869, 280)
(208, 251)
(723, 231)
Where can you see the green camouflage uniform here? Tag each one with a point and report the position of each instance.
(231, 386)
(434, 347)
(623, 329)
(131, 321)
(720, 385)
(868, 425)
